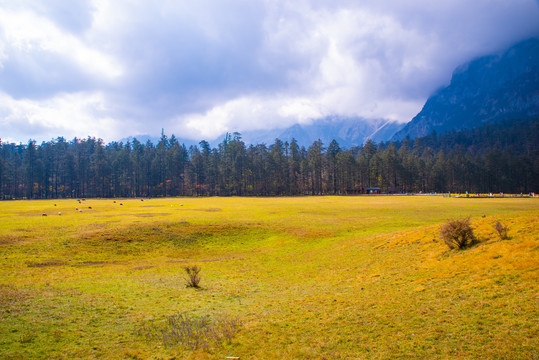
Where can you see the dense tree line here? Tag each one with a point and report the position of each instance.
(495, 158)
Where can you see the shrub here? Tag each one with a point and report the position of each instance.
(193, 276)
(457, 234)
(191, 332)
(501, 229)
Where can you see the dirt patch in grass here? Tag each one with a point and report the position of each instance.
(95, 263)
(18, 236)
(204, 260)
(45, 263)
(10, 239)
(207, 209)
(143, 267)
(151, 214)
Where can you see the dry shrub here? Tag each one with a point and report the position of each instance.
(191, 332)
(193, 276)
(28, 335)
(457, 234)
(501, 229)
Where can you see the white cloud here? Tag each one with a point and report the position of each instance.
(28, 33)
(264, 113)
(246, 113)
(69, 115)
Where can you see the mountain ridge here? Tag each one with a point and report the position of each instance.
(347, 131)
(485, 90)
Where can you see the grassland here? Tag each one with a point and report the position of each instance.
(308, 278)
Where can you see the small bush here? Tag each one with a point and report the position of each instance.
(193, 276)
(501, 229)
(191, 332)
(28, 336)
(457, 234)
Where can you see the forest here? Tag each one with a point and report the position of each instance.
(502, 157)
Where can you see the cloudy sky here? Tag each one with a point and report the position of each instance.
(198, 68)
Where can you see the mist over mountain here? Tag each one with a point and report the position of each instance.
(486, 90)
(348, 132)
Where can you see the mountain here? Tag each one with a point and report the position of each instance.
(486, 90)
(509, 137)
(348, 132)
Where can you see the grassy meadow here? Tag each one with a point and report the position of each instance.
(298, 278)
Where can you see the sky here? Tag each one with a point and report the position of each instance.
(200, 68)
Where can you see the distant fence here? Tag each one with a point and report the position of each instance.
(456, 195)
(492, 195)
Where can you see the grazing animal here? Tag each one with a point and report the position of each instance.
(76, 209)
(121, 204)
(89, 207)
(43, 214)
(80, 210)
(114, 202)
(59, 213)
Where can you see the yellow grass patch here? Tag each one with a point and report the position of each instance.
(312, 277)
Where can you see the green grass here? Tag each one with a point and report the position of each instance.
(308, 278)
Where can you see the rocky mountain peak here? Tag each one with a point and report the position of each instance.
(489, 89)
